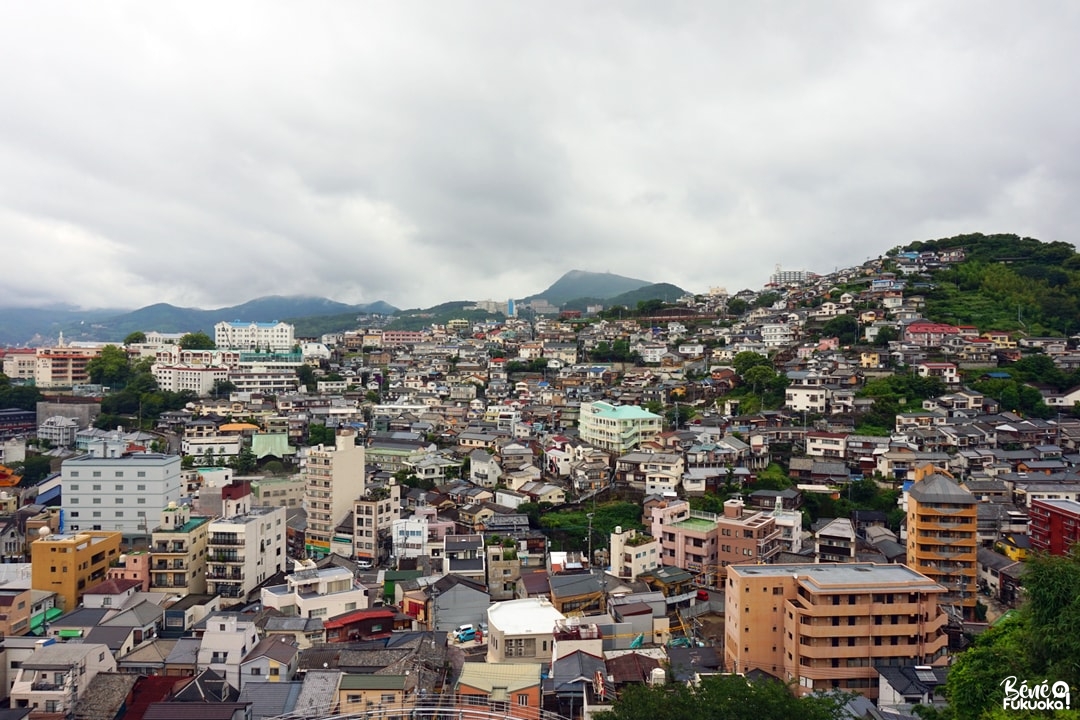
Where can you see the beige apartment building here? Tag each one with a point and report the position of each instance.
(707, 543)
(178, 552)
(333, 479)
(826, 626)
(942, 539)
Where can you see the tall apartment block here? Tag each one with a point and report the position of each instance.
(942, 539)
(333, 480)
(828, 626)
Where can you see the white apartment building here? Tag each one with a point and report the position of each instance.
(333, 479)
(633, 553)
(224, 643)
(617, 428)
(59, 430)
(125, 493)
(264, 382)
(19, 365)
(316, 593)
(807, 398)
(374, 515)
(198, 379)
(245, 547)
(240, 335)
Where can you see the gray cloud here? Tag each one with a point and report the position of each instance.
(416, 152)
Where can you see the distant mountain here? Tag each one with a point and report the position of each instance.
(583, 284)
(20, 326)
(659, 291)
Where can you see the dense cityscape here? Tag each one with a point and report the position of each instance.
(813, 483)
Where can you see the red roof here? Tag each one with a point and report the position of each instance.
(112, 587)
(339, 621)
(149, 690)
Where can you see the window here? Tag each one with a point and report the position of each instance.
(141, 473)
(119, 513)
(74, 473)
(96, 473)
(256, 671)
(95, 487)
(141, 501)
(274, 672)
(96, 513)
(96, 501)
(523, 700)
(74, 486)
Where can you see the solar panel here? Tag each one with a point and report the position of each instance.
(926, 676)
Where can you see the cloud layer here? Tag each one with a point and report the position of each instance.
(204, 154)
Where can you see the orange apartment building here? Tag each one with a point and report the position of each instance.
(67, 564)
(942, 539)
(706, 543)
(826, 626)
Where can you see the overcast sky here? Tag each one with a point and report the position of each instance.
(204, 154)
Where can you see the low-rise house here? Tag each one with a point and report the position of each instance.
(273, 660)
(316, 593)
(49, 680)
(521, 631)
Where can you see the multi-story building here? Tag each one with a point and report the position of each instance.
(20, 364)
(942, 539)
(316, 593)
(707, 543)
(1055, 525)
(178, 552)
(63, 366)
(633, 553)
(245, 547)
(826, 444)
(119, 493)
(835, 541)
(421, 534)
(225, 640)
(240, 335)
(54, 677)
(59, 430)
(333, 478)
(68, 563)
(617, 428)
(199, 379)
(827, 627)
(374, 514)
(522, 630)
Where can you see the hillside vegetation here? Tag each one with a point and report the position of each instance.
(1007, 283)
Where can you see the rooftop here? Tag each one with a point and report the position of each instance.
(839, 575)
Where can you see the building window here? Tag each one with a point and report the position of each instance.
(523, 700)
(74, 486)
(96, 501)
(95, 487)
(256, 671)
(96, 473)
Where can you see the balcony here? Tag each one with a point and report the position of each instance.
(230, 559)
(233, 540)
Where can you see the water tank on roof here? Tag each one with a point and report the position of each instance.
(657, 676)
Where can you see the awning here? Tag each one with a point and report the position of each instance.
(39, 619)
(70, 633)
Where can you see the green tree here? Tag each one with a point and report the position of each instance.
(737, 306)
(731, 697)
(244, 462)
(34, 469)
(196, 341)
(306, 374)
(745, 360)
(135, 338)
(24, 397)
(885, 336)
(319, 434)
(222, 388)
(109, 367)
(843, 327)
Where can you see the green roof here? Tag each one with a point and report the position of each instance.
(698, 524)
(273, 444)
(622, 412)
(372, 682)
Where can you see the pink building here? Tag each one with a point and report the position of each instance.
(132, 566)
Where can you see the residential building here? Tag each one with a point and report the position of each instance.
(513, 691)
(826, 444)
(62, 366)
(245, 547)
(59, 430)
(225, 640)
(617, 428)
(316, 593)
(633, 553)
(119, 492)
(334, 478)
(829, 626)
(253, 336)
(374, 515)
(706, 543)
(273, 660)
(835, 541)
(199, 379)
(178, 552)
(942, 539)
(1054, 526)
(68, 563)
(52, 679)
(521, 631)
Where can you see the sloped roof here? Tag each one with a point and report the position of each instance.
(270, 699)
(939, 489)
(512, 676)
(104, 696)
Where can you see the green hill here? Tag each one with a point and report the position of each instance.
(1005, 283)
(583, 284)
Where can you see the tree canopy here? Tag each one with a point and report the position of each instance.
(110, 367)
(196, 341)
(722, 697)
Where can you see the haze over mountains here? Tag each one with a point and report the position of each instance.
(29, 326)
